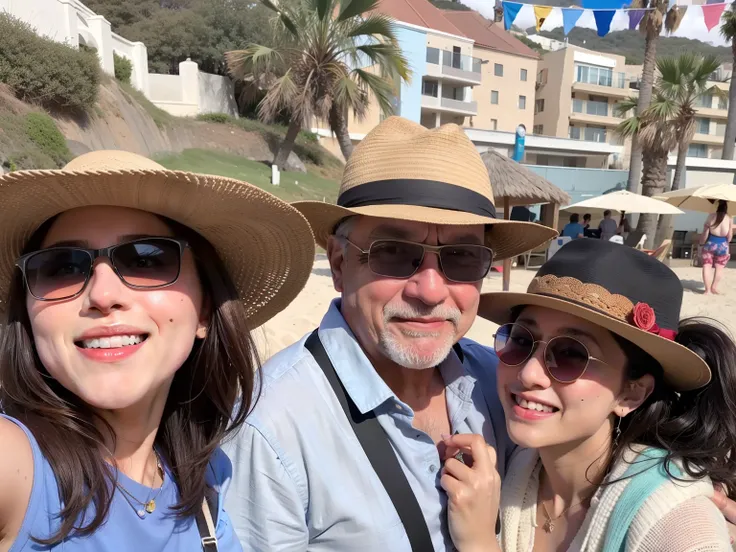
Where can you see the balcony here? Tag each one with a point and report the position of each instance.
(710, 139)
(603, 83)
(449, 105)
(586, 134)
(453, 67)
(594, 113)
(705, 108)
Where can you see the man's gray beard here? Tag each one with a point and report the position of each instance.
(406, 355)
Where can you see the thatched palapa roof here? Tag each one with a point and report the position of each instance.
(520, 185)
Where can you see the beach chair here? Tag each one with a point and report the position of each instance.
(661, 252)
(556, 244)
(617, 239)
(538, 253)
(635, 239)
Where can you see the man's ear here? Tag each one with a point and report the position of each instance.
(336, 258)
(633, 395)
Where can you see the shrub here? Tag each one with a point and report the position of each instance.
(309, 136)
(215, 118)
(42, 131)
(38, 69)
(123, 68)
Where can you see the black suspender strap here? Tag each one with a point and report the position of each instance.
(379, 452)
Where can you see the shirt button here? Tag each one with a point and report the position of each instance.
(432, 468)
(399, 407)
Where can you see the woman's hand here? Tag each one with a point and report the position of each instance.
(473, 493)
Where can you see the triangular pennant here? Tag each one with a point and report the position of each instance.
(635, 18)
(570, 16)
(510, 11)
(541, 13)
(603, 20)
(712, 14)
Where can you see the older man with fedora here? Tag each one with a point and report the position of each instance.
(341, 450)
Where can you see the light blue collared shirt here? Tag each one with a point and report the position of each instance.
(301, 480)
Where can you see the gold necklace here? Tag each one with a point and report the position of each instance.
(149, 506)
(549, 525)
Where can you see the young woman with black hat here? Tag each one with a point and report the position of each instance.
(624, 415)
(129, 292)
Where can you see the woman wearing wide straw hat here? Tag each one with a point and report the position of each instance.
(128, 294)
(625, 414)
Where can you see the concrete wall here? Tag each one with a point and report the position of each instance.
(216, 94)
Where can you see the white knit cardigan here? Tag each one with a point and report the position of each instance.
(677, 517)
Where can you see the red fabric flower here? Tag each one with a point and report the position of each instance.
(644, 318)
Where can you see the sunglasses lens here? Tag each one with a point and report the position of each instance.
(466, 263)
(514, 344)
(566, 358)
(148, 263)
(395, 259)
(57, 273)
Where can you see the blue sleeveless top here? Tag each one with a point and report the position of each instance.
(160, 531)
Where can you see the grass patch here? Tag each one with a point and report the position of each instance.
(43, 132)
(159, 116)
(19, 151)
(294, 186)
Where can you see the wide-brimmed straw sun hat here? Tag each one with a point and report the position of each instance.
(617, 288)
(402, 170)
(266, 245)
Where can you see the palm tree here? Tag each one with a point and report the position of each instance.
(728, 31)
(668, 123)
(331, 57)
(651, 27)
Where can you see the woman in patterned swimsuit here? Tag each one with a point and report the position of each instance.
(715, 252)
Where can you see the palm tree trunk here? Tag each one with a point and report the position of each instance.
(653, 179)
(339, 125)
(666, 225)
(730, 138)
(288, 144)
(645, 98)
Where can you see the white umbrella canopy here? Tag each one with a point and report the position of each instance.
(623, 201)
(703, 198)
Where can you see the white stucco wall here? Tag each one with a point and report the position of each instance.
(216, 94)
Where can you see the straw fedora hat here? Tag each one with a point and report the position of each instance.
(266, 245)
(616, 287)
(402, 170)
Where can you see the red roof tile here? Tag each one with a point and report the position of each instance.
(487, 34)
(418, 12)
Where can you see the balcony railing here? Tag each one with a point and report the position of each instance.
(454, 60)
(588, 134)
(602, 78)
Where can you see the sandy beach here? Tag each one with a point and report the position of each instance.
(305, 313)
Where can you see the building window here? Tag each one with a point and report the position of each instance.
(697, 150)
(522, 75)
(595, 134)
(597, 106)
(498, 69)
(602, 76)
(494, 97)
(702, 125)
(457, 57)
(577, 105)
(538, 129)
(538, 106)
(494, 124)
(705, 100)
(574, 133)
(522, 102)
(430, 88)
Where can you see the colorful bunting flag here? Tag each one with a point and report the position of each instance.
(603, 20)
(635, 17)
(570, 16)
(712, 14)
(541, 13)
(510, 11)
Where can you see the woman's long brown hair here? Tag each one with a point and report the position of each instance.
(721, 212)
(210, 396)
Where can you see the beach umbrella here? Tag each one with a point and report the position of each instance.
(702, 198)
(624, 201)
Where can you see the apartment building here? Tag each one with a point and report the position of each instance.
(466, 70)
(578, 91)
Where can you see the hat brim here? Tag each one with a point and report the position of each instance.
(265, 244)
(683, 369)
(507, 238)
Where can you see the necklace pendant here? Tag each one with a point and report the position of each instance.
(141, 513)
(548, 526)
(151, 506)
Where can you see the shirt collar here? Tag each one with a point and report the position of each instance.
(360, 379)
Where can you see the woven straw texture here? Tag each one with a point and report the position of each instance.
(683, 369)
(265, 244)
(401, 149)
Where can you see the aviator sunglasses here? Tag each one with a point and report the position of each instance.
(565, 358)
(63, 272)
(461, 263)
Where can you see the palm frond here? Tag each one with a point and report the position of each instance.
(375, 25)
(381, 89)
(254, 60)
(626, 105)
(728, 25)
(354, 8)
(322, 7)
(629, 127)
(280, 96)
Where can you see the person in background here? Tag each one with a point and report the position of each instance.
(607, 226)
(715, 251)
(586, 220)
(573, 229)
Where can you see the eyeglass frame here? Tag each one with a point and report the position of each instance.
(544, 351)
(105, 252)
(425, 248)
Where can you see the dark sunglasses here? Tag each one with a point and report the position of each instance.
(462, 263)
(565, 358)
(61, 273)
